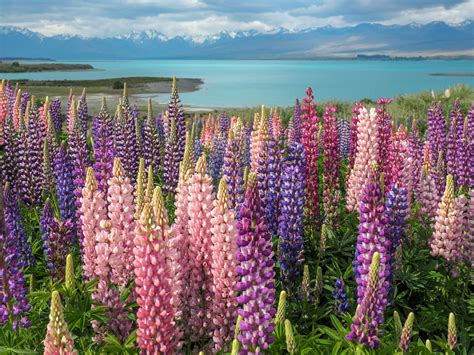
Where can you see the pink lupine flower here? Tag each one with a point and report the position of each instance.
(155, 315)
(120, 214)
(428, 196)
(367, 152)
(255, 142)
(93, 211)
(223, 267)
(200, 199)
(58, 340)
(448, 238)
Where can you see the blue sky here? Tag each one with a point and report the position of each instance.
(199, 18)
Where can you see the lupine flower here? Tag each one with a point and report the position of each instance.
(397, 328)
(353, 134)
(65, 184)
(341, 304)
(155, 315)
(470, 140)
(15, 228)
(120, 214)
(200, 199)
(58, 340)
(343, 131)
(23, 173)
(82, 113)
(36, 135)
(257, 285)
(367, 151)
(57, 239)
(331, 193)
(13, 301)
(233, 170)
(305, 287)
(406, 332)
(440, 174)
(415, 151)
(290, 339)
(447, 240)
(216, 156)
(103, 147)
(10, 159)
(384, 128)
(256, 139)
(223, 268)
(151, 146)
(369, 313)
(436, 129)
(70, 276)
(428, 196)
(281, 310)
(93, 211)
(452, 331)
(463, 156)
(291, 224)
(310, 140)
(373, 237)
(396, 210)
(55, 109)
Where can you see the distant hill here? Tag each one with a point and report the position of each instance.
(433, 39)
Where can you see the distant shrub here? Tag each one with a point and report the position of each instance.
(366, 101)
(15, 64)
(117, 85)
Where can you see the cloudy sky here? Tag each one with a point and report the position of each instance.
(199, 18)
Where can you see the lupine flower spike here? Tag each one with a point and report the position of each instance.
(406, 332)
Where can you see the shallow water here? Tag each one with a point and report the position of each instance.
(240, 83)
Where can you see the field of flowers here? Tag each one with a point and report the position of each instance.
(128, 233)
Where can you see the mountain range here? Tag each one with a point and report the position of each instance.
(432, 39)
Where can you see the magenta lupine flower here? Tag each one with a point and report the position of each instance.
(310, 140)
(155, 315)
(103, 148)
(331, 192)
(257, 284)
(369, 313)
(367, 152)
(200, 199)
(384, 129)
(224, 269)
(436, 129)
(373, 236)
(36, 136)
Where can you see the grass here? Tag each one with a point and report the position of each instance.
(16, 67)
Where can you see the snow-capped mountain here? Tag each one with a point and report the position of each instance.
(366, 38)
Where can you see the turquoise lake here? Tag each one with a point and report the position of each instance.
(240, 83)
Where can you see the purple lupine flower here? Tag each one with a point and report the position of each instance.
(224, 123)
(55, 110)
(296, 135)
(436, 130)
(25, 97)
(369, 313)
(15, 227)
(65, 184)
(82, 112)
(23, 173)
(139, 125)
(151, 147)
(343, 131)
(470, 140)
(233, 171)
(274, 185)
(291, 223)
(13, 290)
(415, 151)
(198, 149)
(216, 157)
(396, 210)
(57, 239)
(341, 304)
(373, 236)
(175, 142)
(246, 145)
(103, 149)
(36, 136)
(9, 166)
(463, 155)
(257, 283)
